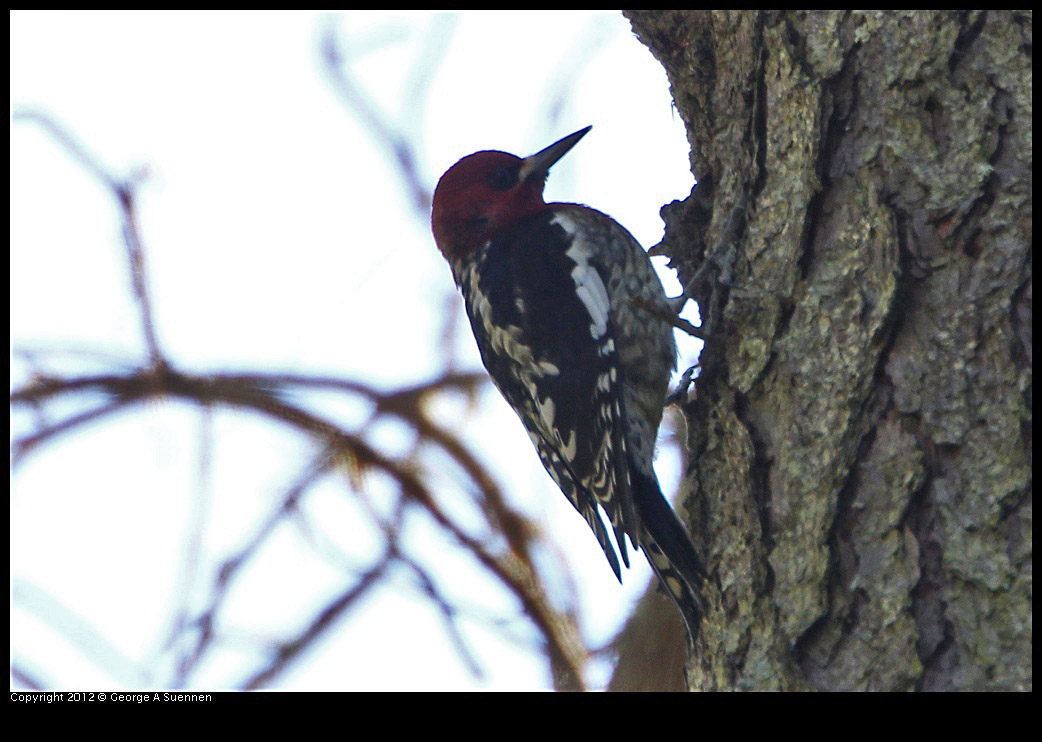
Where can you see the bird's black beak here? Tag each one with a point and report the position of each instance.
(539, 164)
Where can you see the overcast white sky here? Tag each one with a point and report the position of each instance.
(279, 238)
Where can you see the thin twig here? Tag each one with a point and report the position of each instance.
(188, 574)
(79, 632)
(289, 651)
(336, 63)
(123, 190)
(269, 395)
(668, 317)
(449, 614)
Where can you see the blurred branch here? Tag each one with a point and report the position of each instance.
(26, 679)
(337, 61)
(651, 648)
(193, 551)
(397, 138)
(288, 651)
(266, 394)
(224, 574)
(503, 543)
(83, 635)
(449, 614)
(577, 55)
(124, 191)
(433, 48)
(22, 446)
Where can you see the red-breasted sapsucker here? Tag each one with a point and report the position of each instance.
(558, 297)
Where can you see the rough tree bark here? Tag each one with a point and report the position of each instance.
(860, 433)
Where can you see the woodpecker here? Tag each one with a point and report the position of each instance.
(558, 297)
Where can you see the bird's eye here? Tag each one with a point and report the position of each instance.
(502, 178)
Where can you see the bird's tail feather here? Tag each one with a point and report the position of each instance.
(669, 550)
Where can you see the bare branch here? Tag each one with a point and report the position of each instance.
(189, 571)
(264, 394)
(27, 679)
(336, 62)
(81, 634)
(672, 319)
(23, 446)
(322, 623)
(124, 190)
(225, 574)
(503, 542)
(449, 614)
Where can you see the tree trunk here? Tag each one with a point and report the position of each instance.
(860, 433)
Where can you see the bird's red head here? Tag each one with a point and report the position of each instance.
(489, 191)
